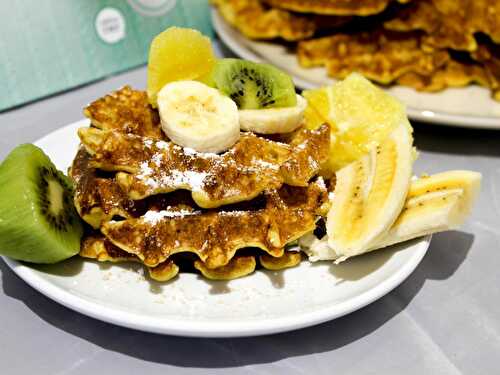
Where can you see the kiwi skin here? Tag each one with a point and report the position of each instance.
(252, 85)
(38, 221)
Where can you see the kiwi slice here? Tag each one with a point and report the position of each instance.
(252, 85)
(38, 221)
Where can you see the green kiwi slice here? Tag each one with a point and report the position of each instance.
(252, 85)
(38, 221)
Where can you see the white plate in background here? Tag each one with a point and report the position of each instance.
(470, 106)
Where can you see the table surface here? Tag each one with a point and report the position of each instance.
(444, 319)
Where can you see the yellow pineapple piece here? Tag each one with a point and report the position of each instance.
(359, 114)
(178, 54)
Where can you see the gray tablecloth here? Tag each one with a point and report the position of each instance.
(444, 319)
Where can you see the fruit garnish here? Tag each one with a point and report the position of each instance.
(434, 204)
(273, 120)
(197, 116)
(252, 85)
(38, 222)
(178, 54)
(360, 116)
(370, 193)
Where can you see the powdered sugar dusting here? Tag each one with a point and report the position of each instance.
(175, 179)
(154, 216)
(192, 152)
(321, 182)
(265, 164)
(157, 158)
(162, 145)
(146, 170)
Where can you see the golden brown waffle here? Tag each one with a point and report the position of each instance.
(453, 74)
(333, 7)
(97, 199)
(467, 17)
(257, 22)
(415, 46)
(450, 23)
(237, 267)
(287, 260)
(127, 111)
(488, 54)
(253, 165)
(418, 15)
(441, 31)
(96, 246)
(317, 52)
(216, 235)
(381, 56)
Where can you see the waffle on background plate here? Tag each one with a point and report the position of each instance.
(425, 44)
(170, 208)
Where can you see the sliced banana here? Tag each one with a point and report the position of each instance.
(370, 193)
(197, 116)
(273, 120)
(434, 204)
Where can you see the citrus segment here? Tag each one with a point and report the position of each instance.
(178, 54)
(359, 114)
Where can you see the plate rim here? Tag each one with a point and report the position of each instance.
(217, 329)
(193, 328)
(421, 115)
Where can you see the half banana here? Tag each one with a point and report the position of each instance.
(434, 204)
(370, 194)
(197, 116)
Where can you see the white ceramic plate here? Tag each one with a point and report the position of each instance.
(470, 106)
(265, 302)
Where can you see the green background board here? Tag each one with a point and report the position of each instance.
(53, 45)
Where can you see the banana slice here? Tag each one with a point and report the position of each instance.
(197, 116)
(434, 204)
(273, 120)
(370, 193)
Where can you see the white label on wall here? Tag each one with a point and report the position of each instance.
(110, 25)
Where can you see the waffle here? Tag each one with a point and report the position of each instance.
(253, 165)
(257, 195)
(381, 56)
(418, 15)
(334, 7)
(125, 110)
(97, 199)
(450, 23)
(215, 235)
(411, 43)
(254, 21)
(238, 266)
(96, 246)
(287, 260)
(488, 54)
(453, 74)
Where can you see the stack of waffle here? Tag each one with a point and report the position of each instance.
(170, 208)
(425, 44)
